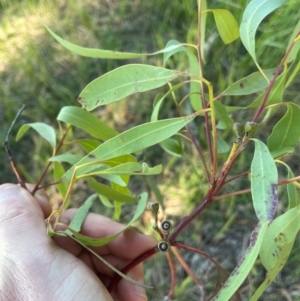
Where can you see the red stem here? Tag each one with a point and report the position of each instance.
(173, 277)
(186, 220)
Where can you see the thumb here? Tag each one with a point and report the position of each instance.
(21, 217)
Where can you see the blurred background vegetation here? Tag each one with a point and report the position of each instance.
(35, 70)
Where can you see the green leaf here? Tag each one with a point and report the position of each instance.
(87, 122)
(226, 25)
(195, 87)
(172, 146)
(271, 276)
(127, 169)
(96, 242)
(105, 201)
(58, 172)
(293, 54)
(88, 144)
(254, 13)
(285, 134)
(118, 211)
(223, 146)
(92, 52)
(122, 82)
(81, 214)
(110, 265)
(242, 270)
(101, 53)
(156, 106)
(43, 129)
(282, 231)
(203, 4)
(275, 95)
(264, 179)
(69, 158)
(250, 84)
(293, 194)
(172, 51)
(222, 114)
(134, 139)
(109, 192)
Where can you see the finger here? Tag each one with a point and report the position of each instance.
(101, 267)
(128, 291)
(20, 216)
(128, 245)
(42, 198)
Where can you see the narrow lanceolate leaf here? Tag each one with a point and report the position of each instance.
(133, 140)
(58, 172)
(88, 144)
(68, 158)
(81, 214)
(96, 242)
(292, 191)
(222, 114)
(173, 147)
(122, 82)
(274, 97)
(203, 7)
(101, 53)
(110, 193)
(43, 129)
(242, 270)
(223, 147)
(264, 179)
(92, 52)
(226, 25)
(87, 122)
(128, 169)
(285, 134)
(195, 87)
(282, 231)
(159, 98)
(271, 275)
(254, 13)
(250, 84)
(293, 54)
(111, 266)
(172, 51)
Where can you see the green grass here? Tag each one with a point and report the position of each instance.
(38, 72)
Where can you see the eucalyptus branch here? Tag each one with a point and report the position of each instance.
(272, 82)
(195, 144)
(237, 176)
(9, 152)
(204, 102)
(189, 271)
(230, 194)
(248, 190)
(186, 220)
(36, 187)
(172, 276)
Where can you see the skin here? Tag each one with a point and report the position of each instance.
(34, 266)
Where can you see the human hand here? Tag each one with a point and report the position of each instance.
(34, 266)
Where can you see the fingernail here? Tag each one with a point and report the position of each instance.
(8, 191)
(140, 291)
